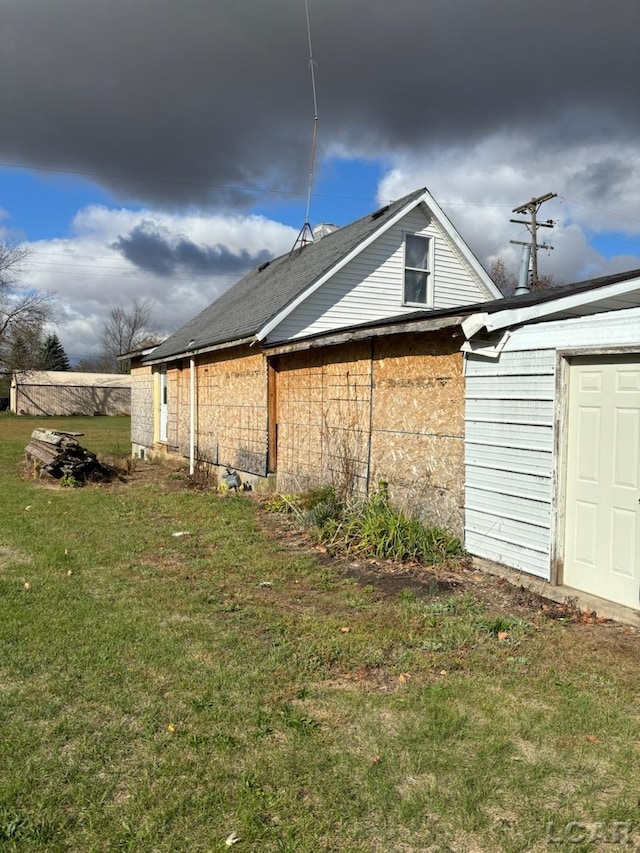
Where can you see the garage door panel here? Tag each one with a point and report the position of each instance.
(588, 438)
(625, 449)
(628, 381)
(584, 533)
(623, 538)
(591, 380)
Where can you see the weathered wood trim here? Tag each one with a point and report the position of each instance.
(426, 325)
(582, 352)
(558, 483)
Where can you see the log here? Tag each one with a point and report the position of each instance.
(56, 454)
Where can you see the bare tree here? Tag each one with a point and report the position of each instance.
(125, 330)
(23, 312)
(504, 280)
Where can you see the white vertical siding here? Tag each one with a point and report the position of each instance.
(370, 286)
(510, 417)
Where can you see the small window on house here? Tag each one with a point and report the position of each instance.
(417, 272)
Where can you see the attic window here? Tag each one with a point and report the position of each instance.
(380, 212)
(418, 280)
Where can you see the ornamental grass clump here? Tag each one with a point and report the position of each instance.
(375, 528)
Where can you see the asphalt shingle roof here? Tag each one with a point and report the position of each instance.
(249, 304)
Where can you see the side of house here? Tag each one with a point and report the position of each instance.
(334, 363)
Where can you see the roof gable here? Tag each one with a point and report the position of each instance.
(267, 294)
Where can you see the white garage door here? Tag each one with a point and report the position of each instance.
(602, 487)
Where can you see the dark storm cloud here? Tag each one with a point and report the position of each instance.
(154, 250)
(208, 92)
(604, 179)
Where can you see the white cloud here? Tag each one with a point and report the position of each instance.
(88, 275)
(478, 187)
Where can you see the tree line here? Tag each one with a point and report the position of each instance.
(26, 342)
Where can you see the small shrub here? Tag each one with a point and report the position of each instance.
(68, 481)
(284, 503)
(323, 506)
(311, 498)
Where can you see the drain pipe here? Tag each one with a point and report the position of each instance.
(523, 274)
(192, 415)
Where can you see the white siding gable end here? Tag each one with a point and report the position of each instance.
(370, 286)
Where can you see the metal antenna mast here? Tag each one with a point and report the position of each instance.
(306, 234)
(532, 207)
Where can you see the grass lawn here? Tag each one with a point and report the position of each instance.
(161, 692)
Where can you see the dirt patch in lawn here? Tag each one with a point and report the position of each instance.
(11, 555)
(619, 643)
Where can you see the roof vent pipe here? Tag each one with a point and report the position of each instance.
(523, 274)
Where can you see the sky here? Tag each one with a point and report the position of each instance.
(159, 150)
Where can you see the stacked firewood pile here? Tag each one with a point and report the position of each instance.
(59, 454)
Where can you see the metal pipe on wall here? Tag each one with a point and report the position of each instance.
(192, 415)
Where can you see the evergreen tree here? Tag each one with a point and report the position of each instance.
(52, 354)
(22, 355)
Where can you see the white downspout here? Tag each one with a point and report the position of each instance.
(192, 415)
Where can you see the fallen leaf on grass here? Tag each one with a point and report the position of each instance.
(27, 585)
(592, 739)
(232, 839)
(404, 677)
(345, 629)
(503, 635)
(376, 759)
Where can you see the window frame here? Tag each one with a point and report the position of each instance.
(428, 303)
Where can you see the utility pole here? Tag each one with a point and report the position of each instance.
(532, 207)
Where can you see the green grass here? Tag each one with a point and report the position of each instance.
(158, 693)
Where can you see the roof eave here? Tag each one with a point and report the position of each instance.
(502, 319)
(191, 353)
(353, 335)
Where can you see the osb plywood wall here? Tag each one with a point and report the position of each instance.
(141, 405)
(231, 410)
(390, 410)
(417, 436)
(323, 405)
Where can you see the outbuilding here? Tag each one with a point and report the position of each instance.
(552, 435)
(65, 392)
